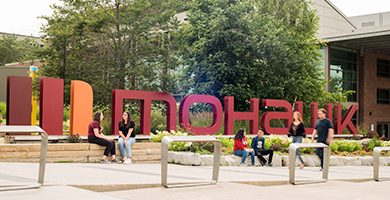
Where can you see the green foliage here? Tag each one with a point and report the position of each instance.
(106, 124)
(66, 115)
(253, 49)
(13, 50)
(3, 108)
(374, 142)
(349, 146)
(111, 45)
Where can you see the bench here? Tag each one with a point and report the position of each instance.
(164, 157)
(42, 162)
(292, 153)
(376, 155)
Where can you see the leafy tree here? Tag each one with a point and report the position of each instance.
(253, 49)
(13, 50)
(111, 44)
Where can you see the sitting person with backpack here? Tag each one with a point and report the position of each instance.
(258, 146)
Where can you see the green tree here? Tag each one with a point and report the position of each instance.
(111, 44)
(13, 50)
(253, 49)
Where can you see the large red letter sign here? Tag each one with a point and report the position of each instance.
(18, 100)
(184, 114)
(341, 123)
(230, 115)
(146, 108)
(266, 118)
(51, 105)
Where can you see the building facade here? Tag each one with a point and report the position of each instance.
(359, 60)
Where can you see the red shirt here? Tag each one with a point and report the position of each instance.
(240, 144)
(92, 126)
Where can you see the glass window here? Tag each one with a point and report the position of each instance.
(383, 68)
(383, 96)
(343, 70)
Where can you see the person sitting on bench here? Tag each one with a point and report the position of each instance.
(258, 146)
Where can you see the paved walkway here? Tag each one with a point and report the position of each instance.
(143, 181)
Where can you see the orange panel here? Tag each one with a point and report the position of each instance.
(81, 107)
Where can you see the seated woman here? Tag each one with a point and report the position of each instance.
(241, 147)
(126, 136)
(95, 136)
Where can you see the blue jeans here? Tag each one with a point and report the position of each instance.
(245, 154)
(320, 153)
(298, 139)
(121, 145)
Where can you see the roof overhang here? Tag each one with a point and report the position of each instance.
(376, 39)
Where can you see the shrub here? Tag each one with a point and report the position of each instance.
(374, 142)
(173, 146)
(73, 139)
(349, 146)
(3, 108)
(66, 115)
(106, 124)
(362, 129)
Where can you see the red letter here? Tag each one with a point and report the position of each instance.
(266, 118)
(146, 108)
(81, 107)
(230, 115)
(51, 102)
(18, 100)
(184, 114)
(345, 122)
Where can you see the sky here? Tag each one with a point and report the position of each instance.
(20, 16)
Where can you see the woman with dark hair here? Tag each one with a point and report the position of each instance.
(241, 147)
(297, 131)
(126, 136)
(95, 136)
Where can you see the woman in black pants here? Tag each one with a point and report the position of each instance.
(95, 136)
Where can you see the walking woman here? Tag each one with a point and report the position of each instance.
(95, 136)
(297, 131)
(241, 147)
(126, 136)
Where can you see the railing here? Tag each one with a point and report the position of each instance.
(42, 162)
(164, 157)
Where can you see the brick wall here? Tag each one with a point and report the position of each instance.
(368, 85)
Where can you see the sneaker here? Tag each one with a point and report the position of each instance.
(321, 169)
(127, 161)
(270, 165)
(104, 161)
(265, 164)
(243, 165)
(115, 161)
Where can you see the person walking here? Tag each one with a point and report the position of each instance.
(297, 131)
(126, 136)
(258, 146)
(96, 136)
(241, 147)
(324, 129)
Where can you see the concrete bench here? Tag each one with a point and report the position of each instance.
(164, 157)
(376, 155)
(42, 162)
(292, 153)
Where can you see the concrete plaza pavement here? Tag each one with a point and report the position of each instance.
(143, 181)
